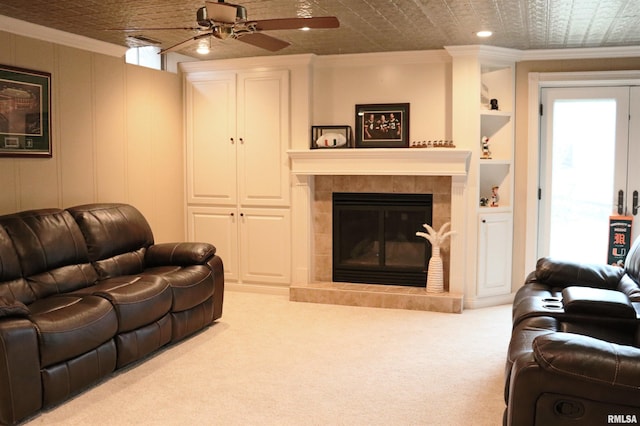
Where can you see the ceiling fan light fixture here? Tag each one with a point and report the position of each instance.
(203, 47)
(484, 33)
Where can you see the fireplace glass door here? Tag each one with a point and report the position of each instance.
(374, 238)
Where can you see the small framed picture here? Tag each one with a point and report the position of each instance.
(330, 137)
(382, 126)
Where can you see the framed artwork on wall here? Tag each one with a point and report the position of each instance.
(382, 126)
(25, 113)
(330, 137)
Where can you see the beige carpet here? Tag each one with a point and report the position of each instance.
(270, 361)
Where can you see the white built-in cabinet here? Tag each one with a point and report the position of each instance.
(495, 233)
(482, 73)
(237, 173)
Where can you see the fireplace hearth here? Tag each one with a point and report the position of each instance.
(374, 239)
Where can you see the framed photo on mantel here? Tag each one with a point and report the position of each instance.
(382, 126)
(25, 113)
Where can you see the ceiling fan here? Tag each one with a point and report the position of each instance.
(229, 21)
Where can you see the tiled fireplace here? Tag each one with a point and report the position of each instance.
(320, 173)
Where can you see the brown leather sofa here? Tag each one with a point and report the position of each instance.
(574, 355)
(85, 291)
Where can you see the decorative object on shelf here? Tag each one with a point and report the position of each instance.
(435, 274)
(494, 104)
(484, 202)
(382, 126)
(25, 111)
(432, 144)
(331, 137)
(495, 197)
(486, 153)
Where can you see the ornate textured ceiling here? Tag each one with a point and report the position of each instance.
(365, 25)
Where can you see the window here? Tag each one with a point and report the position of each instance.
(146, 56)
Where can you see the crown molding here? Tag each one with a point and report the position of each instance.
(376, 58)
(486, 52)
(39, 32)
(256, 62)
(581, 53)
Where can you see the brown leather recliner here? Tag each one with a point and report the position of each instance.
(574, 355)
(85, 291)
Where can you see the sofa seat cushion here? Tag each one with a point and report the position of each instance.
(138, 300)
(71, 325)
(191, 285)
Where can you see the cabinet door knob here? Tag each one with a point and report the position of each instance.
(484, 220)
(241, 140)
(232, 214)
(232, 141)
(241, 214)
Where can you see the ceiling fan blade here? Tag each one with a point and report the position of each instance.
(185, 43)
(221, 12)
(264, 41)
(139, 29)
(297, 23)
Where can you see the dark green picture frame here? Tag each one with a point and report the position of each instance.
(25, 112)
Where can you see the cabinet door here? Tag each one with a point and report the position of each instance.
(211, 140)
(494, 254)
(265, 245)
(263, 132)
(218, 226)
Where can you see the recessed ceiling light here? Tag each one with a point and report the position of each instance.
(484, 34)
(305, 29)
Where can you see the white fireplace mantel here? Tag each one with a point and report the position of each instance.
(381, 161)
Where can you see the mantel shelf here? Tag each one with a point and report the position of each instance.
(381, 161)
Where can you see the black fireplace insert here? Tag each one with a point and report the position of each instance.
(374, 238)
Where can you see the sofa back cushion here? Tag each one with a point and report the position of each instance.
(117, 236)
(12, 285)
(51, 253)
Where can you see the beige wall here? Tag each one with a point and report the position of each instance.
(423, 79)
(116, 133)
(521, 146)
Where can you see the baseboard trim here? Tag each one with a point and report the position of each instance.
(278, 290)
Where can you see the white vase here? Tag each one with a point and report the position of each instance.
(435, 275)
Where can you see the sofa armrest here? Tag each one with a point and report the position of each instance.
(588, 359)
(20, 381)
(597, 301)
(180, 254)
(564, 274)
(13, 308)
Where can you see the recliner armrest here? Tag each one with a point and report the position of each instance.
(588, 359)
(597, 301)
(564, 274)
(180, 254)
(13, 308)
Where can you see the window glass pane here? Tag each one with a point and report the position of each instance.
(584, 137)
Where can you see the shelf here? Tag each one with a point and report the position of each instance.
(494, 162)
(499, 209)
(498, 113)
